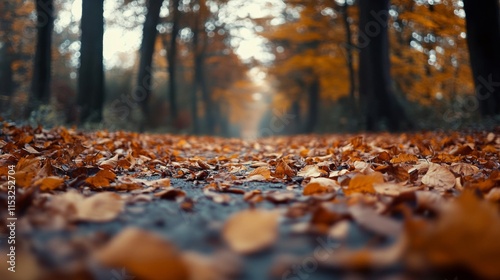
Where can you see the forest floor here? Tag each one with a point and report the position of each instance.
(119, 205)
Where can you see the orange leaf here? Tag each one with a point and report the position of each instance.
(364, 183)
(250, 231)
(404, 158)
(283, 169)
(49, 183)
(101, 179)
(320, 185)
(101, 207)
(144, 254)
(260, 173)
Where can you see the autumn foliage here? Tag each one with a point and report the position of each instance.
(427, 203)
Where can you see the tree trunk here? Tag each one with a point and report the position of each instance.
(354, 118)
(375, 85)
(145, 76)
(91, 72)
(194, 89)
(7, 84)
(6, 76)
(172, 54)
(40, 88)
(483, 40)
(312, 112)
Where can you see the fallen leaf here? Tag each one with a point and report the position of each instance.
(109, 163)
(103, 178)
(371, 220)
(404, 158)
(320, 185)
(49, 183)
(144, 255)
(439, 177)
(259, 173)
(283, 169)
(251, 231)
(101, 207)
(464, 169)
(389, 189)
(364, 183)
(464, 235)
(170, 193)
(311, 171)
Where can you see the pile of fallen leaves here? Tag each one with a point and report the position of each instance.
(430, 201)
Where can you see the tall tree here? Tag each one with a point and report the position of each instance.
(172, 55)
(91, 73)
(145, 75)
(40, 88)
(349, 47)
(375, 86)
(483, 39)
(6, 56)
(200, 44)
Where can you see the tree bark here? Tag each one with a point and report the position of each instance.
(196, 78)
(7, 84)
(353, 99)
(313, 106)
(172, 54)
(145, 75)
(375, 84)
(483, 40)
(6, 76)
(40, 88)
(91, 73)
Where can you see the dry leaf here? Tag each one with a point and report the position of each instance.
(404, 158)
(260, 173)
(439, 177)
(283, 169)
(251, 231)
(364, 183)
(464, 235)
(389, 189)
(109, 163)
(144, 255)
(101, 207)
(371, 220)
(320, 185)
(311, 171)
(102, 179)
(464, 169)
(49, 183)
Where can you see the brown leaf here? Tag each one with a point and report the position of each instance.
(464, 169)
(251, 231)
(144, 255)
(49, 183)
(170, 193)
(102, 179)
(109, 163)
(364, 183)
(464, 235)
(26, 169)
(311, 171)
(439, 177)
(404, 158)
(283, 169)
(101, 207)
(259, 173)
(375, 222)
(320, 185)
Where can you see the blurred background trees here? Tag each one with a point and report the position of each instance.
(250, 68)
